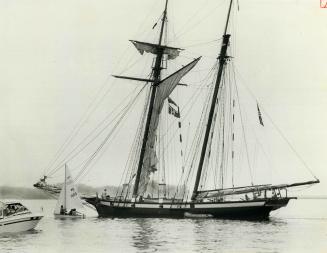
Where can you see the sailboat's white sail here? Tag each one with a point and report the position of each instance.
(164, 89)
(69, 197)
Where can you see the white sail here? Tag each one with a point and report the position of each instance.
(69, 197)
(165, 88)
(171, 52)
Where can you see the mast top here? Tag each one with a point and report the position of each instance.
(163, 23)
(228, 16)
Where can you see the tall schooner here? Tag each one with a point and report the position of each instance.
(217, 132)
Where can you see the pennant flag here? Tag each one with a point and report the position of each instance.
(259, 115)
(173, 108)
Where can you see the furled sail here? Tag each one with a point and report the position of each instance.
(69, 197)
(171, 52)
(50, 188)
(164, 89)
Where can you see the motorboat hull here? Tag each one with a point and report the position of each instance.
(19, 223)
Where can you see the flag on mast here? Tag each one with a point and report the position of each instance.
(173, 108)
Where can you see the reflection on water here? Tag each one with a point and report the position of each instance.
(143, 234)
(290, 230)
(15, 242)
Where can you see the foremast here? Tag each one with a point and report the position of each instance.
(222, 60)
(159, 92)
(156, 79)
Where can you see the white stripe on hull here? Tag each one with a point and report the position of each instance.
(231, 205)
(196, 206)
(17, 224)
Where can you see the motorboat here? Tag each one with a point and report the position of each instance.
(15, 217)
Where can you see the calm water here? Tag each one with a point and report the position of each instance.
(301, 227)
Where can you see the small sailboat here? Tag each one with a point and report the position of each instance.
(15, 217)
(69, 203)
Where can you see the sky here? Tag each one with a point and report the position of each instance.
(56, 56)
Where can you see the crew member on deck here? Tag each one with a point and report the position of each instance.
(104, 194)
(62, 210)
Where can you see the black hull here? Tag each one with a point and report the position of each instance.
(240, 210)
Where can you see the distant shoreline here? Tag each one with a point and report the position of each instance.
(10, 192)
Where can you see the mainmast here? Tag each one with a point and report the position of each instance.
(156, 79)
(222, 60)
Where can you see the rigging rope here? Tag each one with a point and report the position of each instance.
(130, 166)
(126, 109)
(276, 127)
(192, 156)
(243, 133)
(202, 43)
(81, 123)
(71, 154)
(186, 29)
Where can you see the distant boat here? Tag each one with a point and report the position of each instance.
(51, 189)
(69, 203)
(14, 218)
